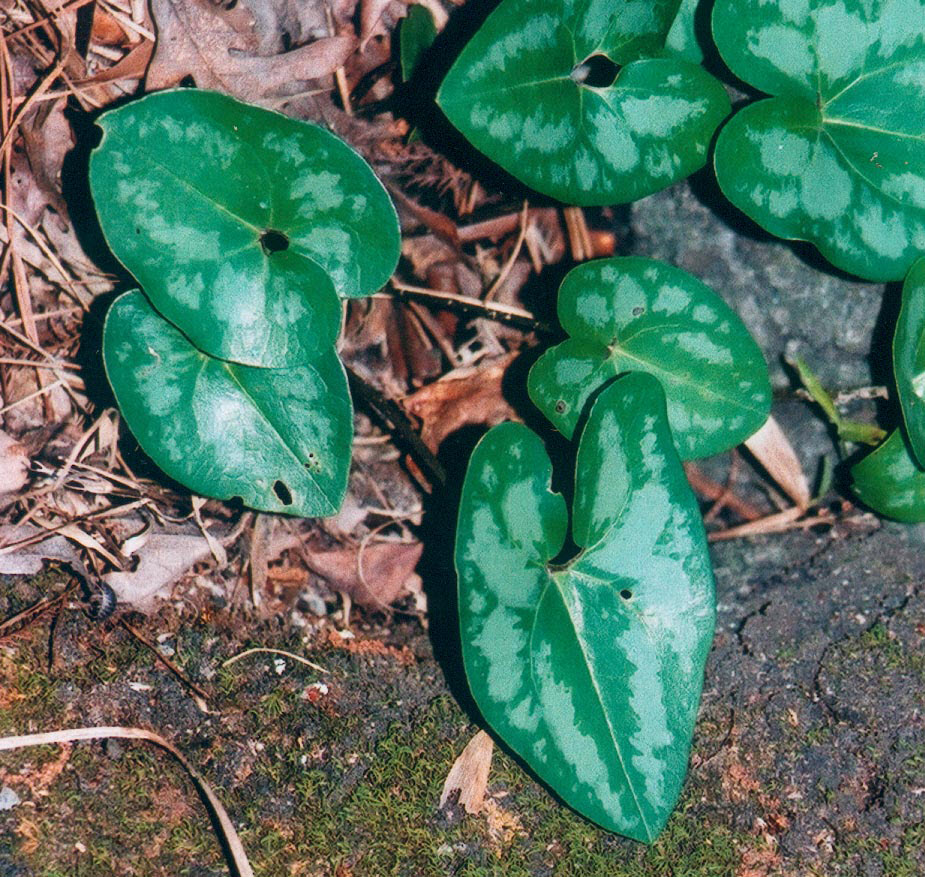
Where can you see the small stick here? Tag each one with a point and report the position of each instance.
(264, 651)
(170, 665)
(388, 411)
(503, 313)
(509, 265)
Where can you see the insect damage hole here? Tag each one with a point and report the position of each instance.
(598, 71)
(283, 494)
(273, 241)
(626, 593)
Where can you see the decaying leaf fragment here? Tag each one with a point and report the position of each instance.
(469, 774)
(465, 396)
(14, 464)
(373, 575)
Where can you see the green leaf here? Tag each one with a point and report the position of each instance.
(235, 220)
(592, 671)
(417, 34)
(889, 481)
(278, 438)
(682, 38)
(531, 91)
(638, 314)
(837, 156)
(909, 358)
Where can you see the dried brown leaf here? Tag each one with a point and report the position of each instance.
(469, 774)
(25, 548)
(216, 47)
(163, 559)
(376, 574)
(14, 464)
(771, 447)
(460, 398)
(371, 18)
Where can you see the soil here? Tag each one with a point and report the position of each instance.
(808, 756)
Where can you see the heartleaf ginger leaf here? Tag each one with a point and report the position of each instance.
(909, 358)
(590, 671)
(572, 98)
(890, 481)
(242, 225)
(277, 438)
(837, 155)
(631, 313)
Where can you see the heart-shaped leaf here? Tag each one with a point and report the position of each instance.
(568, 96)
(837, 157)
(235, 220)
(909, 358)
(591, 672)
(889, 481)
(630, 314)
(278, 438)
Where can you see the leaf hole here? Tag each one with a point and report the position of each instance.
(560, 406)
(283, 494)
(638, 311)
(626, 593)
(274, 241)
(313, 464)
(598, 71)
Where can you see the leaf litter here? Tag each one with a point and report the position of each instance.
(433, 348)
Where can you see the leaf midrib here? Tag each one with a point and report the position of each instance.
(553, 579)
(617, 348)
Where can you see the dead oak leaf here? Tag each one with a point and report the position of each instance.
(216, 46)
(375, 574)
(462, 397)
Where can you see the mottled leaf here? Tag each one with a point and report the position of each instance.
(277, 438)
(909, 358)
(569, 97)
(418, 32)
(837, 156)
(682, 38)
(889, 481)
(638, 314)
(590, 671)
(235, 220)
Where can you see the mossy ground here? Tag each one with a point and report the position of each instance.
(808, 757)
(338, 778)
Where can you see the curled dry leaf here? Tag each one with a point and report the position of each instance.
(162, 560)
(771, 447)
(14, 464)
(24, 548)
(469, 774)
(216, 47)
(387, 568)
(460, 398)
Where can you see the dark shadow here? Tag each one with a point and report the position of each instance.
(880, 353)
(437, 568)
(89, 356)
(75, 187)
(416, 101)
